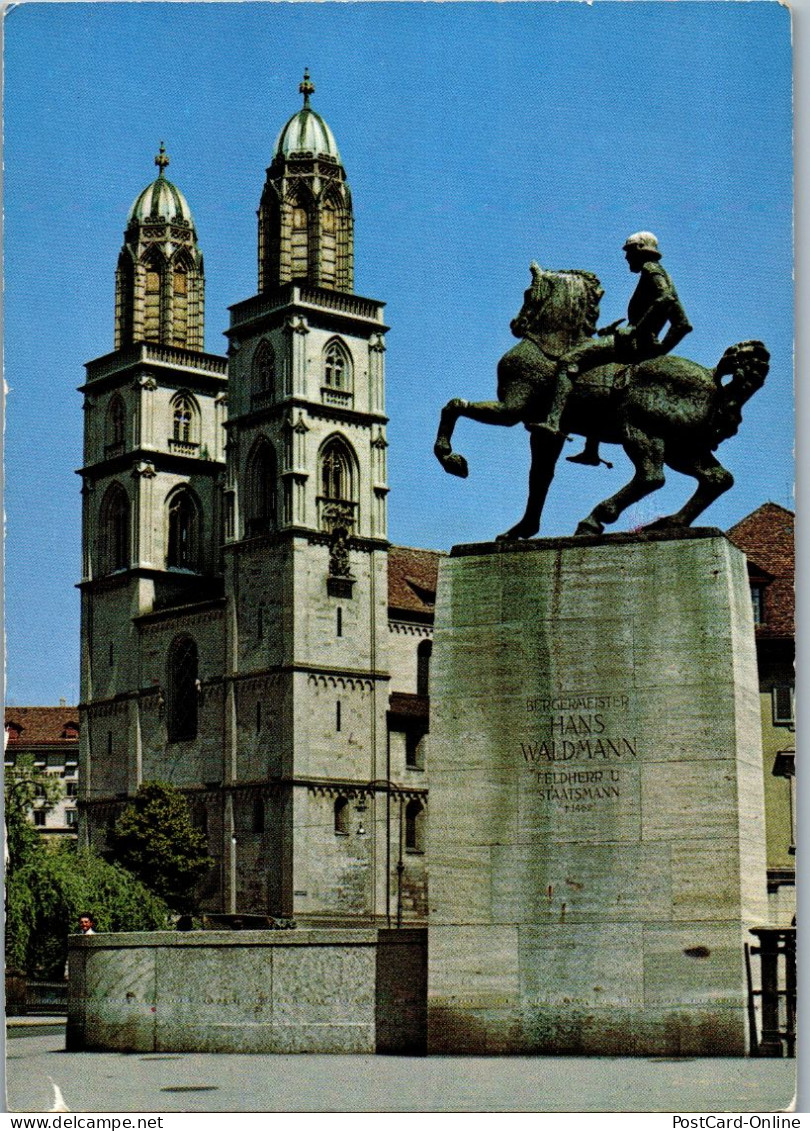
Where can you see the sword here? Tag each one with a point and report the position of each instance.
(605, 330)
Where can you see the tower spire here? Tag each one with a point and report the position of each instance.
(159, 290)
(306, 88)
(162, 160)
(306, 228)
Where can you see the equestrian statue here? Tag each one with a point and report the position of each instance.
(617, 385)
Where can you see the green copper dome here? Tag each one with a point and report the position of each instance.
(161, 200)
(306, 131)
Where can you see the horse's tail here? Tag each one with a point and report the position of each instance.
(747, 364)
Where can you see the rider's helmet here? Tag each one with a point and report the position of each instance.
(642, 241)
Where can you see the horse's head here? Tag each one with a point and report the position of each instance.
(534, 299)
(559, 303)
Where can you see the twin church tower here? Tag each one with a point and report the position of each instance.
(241, 636)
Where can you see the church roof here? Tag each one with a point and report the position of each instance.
(306, 131)
(161, 200)
(766, 538)
(412, 576)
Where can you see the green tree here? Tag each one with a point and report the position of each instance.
(24, 783)
(156, 840)
(48, 892)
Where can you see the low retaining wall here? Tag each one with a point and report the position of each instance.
(26, 995)
(329, 991)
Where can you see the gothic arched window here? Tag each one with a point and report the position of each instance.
(336, 471)
(180, 279)
(260, 514)
(124, 298)
(184, 533)
(342, 816)
(154, 266)
(423, 653)
(114, 530)
(414, 826)
(183, 685)
(337, 366)
(180, 300)
(299, 243)
(258, 815)
(336, 502)
(116, 422)
(328, 244)
(185, 419)
(263, 369)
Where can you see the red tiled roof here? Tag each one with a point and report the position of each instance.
(766, 538)
(412, 578)
(42, 725)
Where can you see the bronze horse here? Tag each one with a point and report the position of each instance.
(665, 411)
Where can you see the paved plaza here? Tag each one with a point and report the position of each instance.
(206, 1082)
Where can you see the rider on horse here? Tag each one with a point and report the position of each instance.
(654, 304)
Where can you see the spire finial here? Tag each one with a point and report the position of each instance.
(306, 88)
(162, 160)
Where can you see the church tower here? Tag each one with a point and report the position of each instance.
(306, 226)
(159, 284)
(306, 553)
(152, 471)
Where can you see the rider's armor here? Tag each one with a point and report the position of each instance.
(654, 303)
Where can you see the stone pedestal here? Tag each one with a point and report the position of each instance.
(596, 800)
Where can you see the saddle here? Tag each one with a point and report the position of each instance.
(614, 376)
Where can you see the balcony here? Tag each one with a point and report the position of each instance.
(174, 356)
(292, 294)
(334, 514)
(337, 398)
(183, 447)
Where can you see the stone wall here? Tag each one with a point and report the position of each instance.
(328, 991)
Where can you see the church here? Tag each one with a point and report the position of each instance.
(248, 633)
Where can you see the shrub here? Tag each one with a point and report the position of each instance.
(45, 896)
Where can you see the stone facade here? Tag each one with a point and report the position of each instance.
(248, 633)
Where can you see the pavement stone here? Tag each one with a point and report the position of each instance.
(236, 1082)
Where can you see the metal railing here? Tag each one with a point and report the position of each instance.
(773, 1026)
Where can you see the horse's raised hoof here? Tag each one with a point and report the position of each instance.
(452, 462)
(519, 532)
(589, 526)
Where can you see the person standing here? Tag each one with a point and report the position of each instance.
(86, 922)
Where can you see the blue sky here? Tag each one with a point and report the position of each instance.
(476, 137)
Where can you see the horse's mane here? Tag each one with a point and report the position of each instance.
(592, 296)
